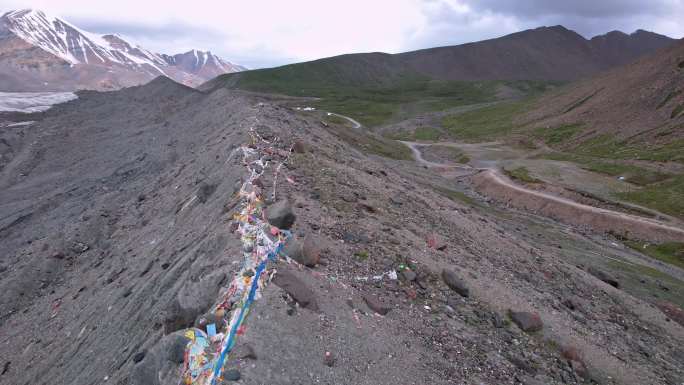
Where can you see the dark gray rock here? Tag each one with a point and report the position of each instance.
(409, 275)
(231, 375)
(138, 357)
(193, 299)
(205, 192)
(245, 351)
(280, 214)
(526, 321)
(303, 295)
(161, 363)
(455, 283)
(604, 276)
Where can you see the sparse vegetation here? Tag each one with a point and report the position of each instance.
(677, 110)
(485, 123)
(670, 252)
(456, 196)
(362, 255)
(632, 276)
(606, 146)
(426, 133)
(665, 196)
(375, 90)
(558, 135)
(633, 174)
(371, 143)
(521, 174)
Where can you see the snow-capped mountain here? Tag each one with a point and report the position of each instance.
(41, 52)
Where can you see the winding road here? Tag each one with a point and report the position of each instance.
(354, 123)
(490, 182)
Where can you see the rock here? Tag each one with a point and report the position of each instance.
(570, 353)
(299, 147)
(245, 351)
(193, 299)
(522, 364)
(231, 375)
(207, 319)
(161, 363)
(205, 191)
(498, 321)
(351, 237)
(455, 283)
(409, 275)
(308, 252)
(526, 321)
(579, 368)
(376, 304)
(603, 276)
(671, 310)
(435, 241)
(570, 303)
(288, 281)
(79, 247)
(138, 357)
(280, 215)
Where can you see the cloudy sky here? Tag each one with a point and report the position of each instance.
(272, 32)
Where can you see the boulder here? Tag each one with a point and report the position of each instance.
(295, 287)
(245, 351)
(527, 321)
(231, 375)
(280, 214)
(376, 304)
(306, 252)
(299, 146)
(161, 364)
(192, 300)
(603, 276)
(455, 283)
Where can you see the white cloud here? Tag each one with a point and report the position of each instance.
(270, 32)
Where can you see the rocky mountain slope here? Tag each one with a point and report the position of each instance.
(39, 52)
(546, 53)
(642, 102)
(118, 224)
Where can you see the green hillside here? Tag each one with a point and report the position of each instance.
(372, 88)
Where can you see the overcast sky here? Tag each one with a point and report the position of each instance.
(271, 32)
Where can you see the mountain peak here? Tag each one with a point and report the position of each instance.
(105, 56)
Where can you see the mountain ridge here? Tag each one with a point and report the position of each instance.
(41, 52)
(545, 53)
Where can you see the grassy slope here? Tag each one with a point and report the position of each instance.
(603, 154)
(671, 252)
(372, 88)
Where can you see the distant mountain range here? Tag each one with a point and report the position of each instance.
(545, 53)
(39, 52)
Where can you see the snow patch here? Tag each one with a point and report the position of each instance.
(32, 101)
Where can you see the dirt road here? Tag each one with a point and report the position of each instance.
(490, 182)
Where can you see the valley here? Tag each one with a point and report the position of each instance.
(508, 211)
